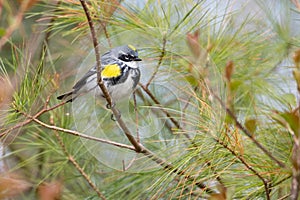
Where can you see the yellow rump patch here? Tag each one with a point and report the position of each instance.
(132, 47)
(111, 71)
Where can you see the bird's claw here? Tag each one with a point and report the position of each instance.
(112, 117)
(110, 106)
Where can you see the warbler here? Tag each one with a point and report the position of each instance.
(119, 71)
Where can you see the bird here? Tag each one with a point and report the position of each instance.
(120, 74)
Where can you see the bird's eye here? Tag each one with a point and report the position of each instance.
(126, 58)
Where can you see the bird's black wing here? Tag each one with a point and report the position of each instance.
(71, 95)
(105, 60)
(90, 76)
(82, 82)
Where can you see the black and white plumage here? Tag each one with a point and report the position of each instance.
(120, 74)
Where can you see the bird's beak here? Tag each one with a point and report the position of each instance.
(137, 59)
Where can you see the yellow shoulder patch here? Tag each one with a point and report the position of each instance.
(132, 47)
(111, 71)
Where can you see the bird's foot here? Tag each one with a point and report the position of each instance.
(110, 106)
(115, 118)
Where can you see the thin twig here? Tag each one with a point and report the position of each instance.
(78, 134)
(173, 120)
(129, 164)
(246, 131)
(78, 167)
(27, 121)
(97, 54)
(284, 197)
(48, 33)
(73, 161)
(15, 23)
(106, 33)
(155, 111)
(243, 161)
(171, 168)
(155, 100)
(109, 7)
(282, 180)
(161, 57)
(188, 102)
(136, 117)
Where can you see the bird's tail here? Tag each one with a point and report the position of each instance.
(68, 97)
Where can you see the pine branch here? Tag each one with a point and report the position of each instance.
(161, 57)
(27, 121)
(246, 131)
(155, 100)
(78, 134)
(78, 167)
(97, 54)
(248, 166)
(138, 147)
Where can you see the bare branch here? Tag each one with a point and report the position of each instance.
(77, 166)
(161, 57)
(97, 54)
(136, 117)
(155, 100)
(171, 168)
(246, 131)
(173, 120)
(21, 124)
(248, 166)
(76, 133)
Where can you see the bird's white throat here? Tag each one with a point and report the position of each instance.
(132, 64)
